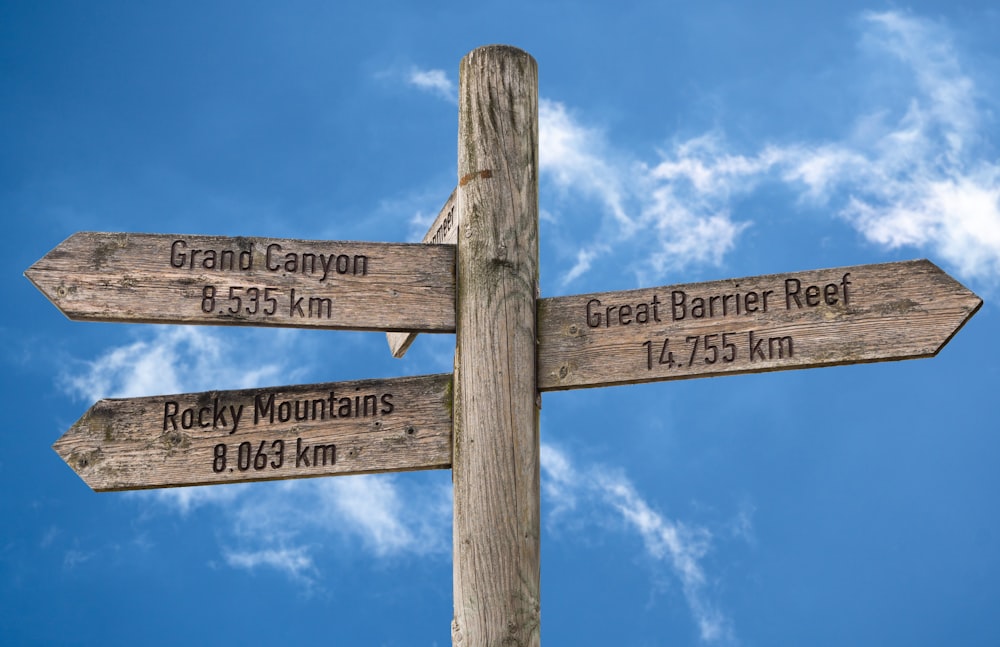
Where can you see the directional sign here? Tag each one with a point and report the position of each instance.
(159, 278)
(283, 432)
(443, 231)
(846, 315)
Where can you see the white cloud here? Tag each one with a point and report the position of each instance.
(172, 359)
(74, 557)
(681, 546)
(294, 562)
(578, 162)
(387, 522)
(922, 184)
(270, 525)
(584, 258)
(675, 211)
(914, 172)
(279, 525)
(186, 499)
(371, 508)
(559, 485)
(947, 101)
(574, 159)
(741, 527)
(435, 82)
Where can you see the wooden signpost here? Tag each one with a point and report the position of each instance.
(285, 432)
(443, 231)
(495, 469)
(482, 422)
(160, 278)
(844, 315)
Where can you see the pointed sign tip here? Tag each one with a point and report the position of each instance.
(79, 449)
(32, 274)
(973, 304)
(37, 275)
(399, 343)
(79, 461)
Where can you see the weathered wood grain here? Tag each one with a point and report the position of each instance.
(845, 315)
(283, 432)
(163, 278)
(496, 453)
(443, 231)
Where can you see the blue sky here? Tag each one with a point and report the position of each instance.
(679, 142)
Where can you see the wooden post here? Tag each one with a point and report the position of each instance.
(496, 455)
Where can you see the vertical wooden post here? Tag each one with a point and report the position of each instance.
(495, 465)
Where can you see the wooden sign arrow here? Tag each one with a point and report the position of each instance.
(443, 231)
(284, 432)
(160, 278)
(846, 315)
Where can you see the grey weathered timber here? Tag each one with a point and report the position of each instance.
(844, 315)
(283, 432)
(163, 278)
(496, 454)
(443, 231)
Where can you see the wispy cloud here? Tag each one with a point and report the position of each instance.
(271, 525)
(914, 172)
(279, 526)
(186, 499)
(74, 557)
(172, 359)
(575, 157)
(922, 182)
(293, 562)
(680, 546)
(387, 521)
(434, 81)
(291, 527)
(916, 180)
